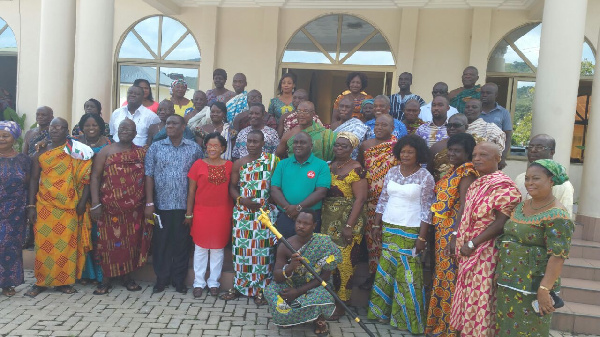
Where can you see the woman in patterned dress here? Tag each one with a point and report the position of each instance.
(533, 248)
(447, 211)
(344, 213)
(282, 104)
(14, 178)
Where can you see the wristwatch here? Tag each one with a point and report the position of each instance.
(470, 244)
(299, 208)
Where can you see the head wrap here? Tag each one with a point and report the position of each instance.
(354, 141)
(179, 81)
(11, 127)
(559, 174)
(365, 102)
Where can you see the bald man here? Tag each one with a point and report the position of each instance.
(459, 96)
(43, 117)
(290, 119)
(492, 112)
(239, 102)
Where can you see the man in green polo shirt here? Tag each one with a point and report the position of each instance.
(300, 181)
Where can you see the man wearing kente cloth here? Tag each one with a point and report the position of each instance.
(296, 297)
(57, 208)
(117, 191)
(322, 138)
(459, 96)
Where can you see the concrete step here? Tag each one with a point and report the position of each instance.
(590, 229)
(585, 269)
(578, 233)
(581, 291)
(577, 318)
(585, 249)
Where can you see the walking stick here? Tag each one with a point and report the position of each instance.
(264, 219)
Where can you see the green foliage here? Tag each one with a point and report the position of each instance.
(517, 67)
(587, 68)
(522, 130)
(523, 115)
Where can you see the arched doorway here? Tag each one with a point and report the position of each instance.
(159, 49)
(324, 51)
(513, 66)
(8, 69)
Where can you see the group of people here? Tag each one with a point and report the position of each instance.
(394, 174)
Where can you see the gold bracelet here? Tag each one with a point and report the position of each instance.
(237, 201)
(544, 288)
(30, 206)
(421, 239)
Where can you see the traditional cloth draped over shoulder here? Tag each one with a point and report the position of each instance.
(322, 254)
(474, 303)
(322, 140)
(460, 100)
(125, 235)
(61, 236)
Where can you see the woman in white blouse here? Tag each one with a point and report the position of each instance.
(403, 215)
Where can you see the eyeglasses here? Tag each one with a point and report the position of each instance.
(537, 148)
(213, 146)
(454, 125)
(305, 111)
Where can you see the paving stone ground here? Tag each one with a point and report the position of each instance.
(123, 313)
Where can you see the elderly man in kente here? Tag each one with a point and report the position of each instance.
(201, 113)
(488, 204)
(447, 210)
(459, 96)
(542, 146)
(377, 158)
(297, 297)
(411, 116)
(492, 112)
(403, 216)
(398, 100)
(439, 89)
(43, 117)
(440, 165)
(59, 211)
(253, 244)
(535, 243)
(219, 93)
(307, 189)
(14, 179)
(344, 214)
(281, 104)
(435, 130)
(166, 166)
(290, 119)
(347, 123)
(183, 105)
(381, 106)
(117, 191)
(356, 83)
(134, 110)
(478, 127)
(257, 122)
(322, 139)
(158, 131)
(239, 102)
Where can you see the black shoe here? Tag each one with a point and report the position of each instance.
(158, 288)
(182, 289)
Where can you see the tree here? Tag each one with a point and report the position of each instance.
(587, 68)
(522, 131)
(517, 67)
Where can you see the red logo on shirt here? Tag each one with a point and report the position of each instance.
(311, 174)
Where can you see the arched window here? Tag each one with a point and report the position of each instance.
(8, 66)
(159, 49)
(513, 66)
(339, 39)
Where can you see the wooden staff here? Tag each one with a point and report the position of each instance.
(265, 220)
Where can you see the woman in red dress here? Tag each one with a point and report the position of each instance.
(212, 209)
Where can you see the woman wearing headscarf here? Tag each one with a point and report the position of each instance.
(344, 213)
(14, 180)
(182, 105)
(533, 248)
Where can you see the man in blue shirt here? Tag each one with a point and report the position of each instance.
(492, 112)
(167, 164)
(300, 181)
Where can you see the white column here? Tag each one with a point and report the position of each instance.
(405, 56)
(57, 52)
(93, 56)
(267, 83)
(558, 73)
(589, 199)
(480, 40)
(208, 47)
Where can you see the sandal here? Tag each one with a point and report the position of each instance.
(321, 328)
(9, 291)
(67, 289)
(337, 314)
(214, 291)
(35, 290)
(130, 285)
(259, 299)
(231, 294)
(197, 292)
(102, 289)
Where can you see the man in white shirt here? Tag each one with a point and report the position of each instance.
(439, 89)
(139, 114)
(542, 147)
